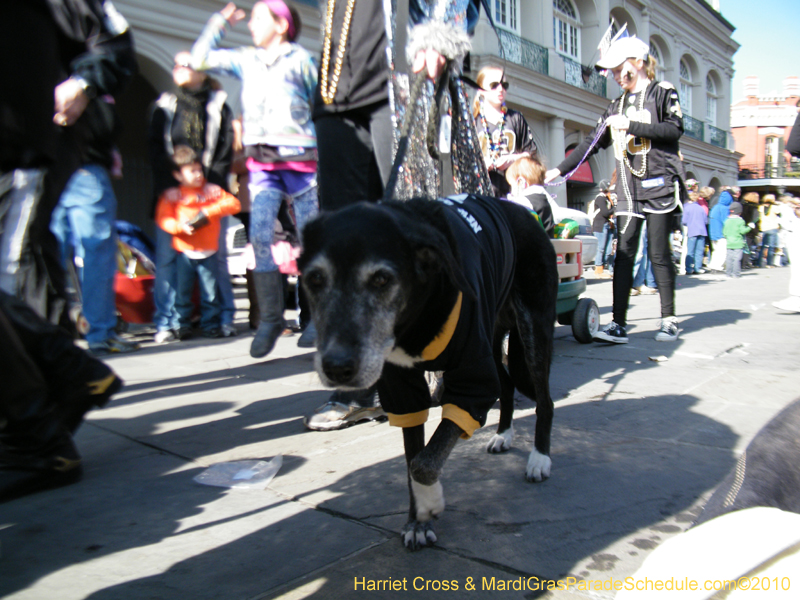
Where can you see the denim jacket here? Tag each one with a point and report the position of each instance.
(277, 88)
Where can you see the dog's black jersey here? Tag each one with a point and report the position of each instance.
(487, 251)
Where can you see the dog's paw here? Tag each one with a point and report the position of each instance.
(538, 466)
(429, 500)
(501, 442)
(417, 535)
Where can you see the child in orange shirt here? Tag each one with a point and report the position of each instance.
(192, 213)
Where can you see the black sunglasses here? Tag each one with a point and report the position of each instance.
(495, 84)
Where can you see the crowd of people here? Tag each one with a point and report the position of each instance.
(309, 139)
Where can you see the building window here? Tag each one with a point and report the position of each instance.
(566, 29)
(656, 54)
(686, 88)
(505, 14)
(711, 101)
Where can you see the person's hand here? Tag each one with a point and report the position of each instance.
(551, 174)
(70, 102)
(430, 60)
(187, 229)
(618, 122)
(232, 14)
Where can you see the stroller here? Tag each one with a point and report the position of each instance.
(133, 281)
(135, 276)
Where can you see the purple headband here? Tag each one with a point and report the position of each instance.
(279, 9)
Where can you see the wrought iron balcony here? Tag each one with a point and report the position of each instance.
(574, 75)
(524, 53)
(693, 127)
(717, 137)
(778, 170)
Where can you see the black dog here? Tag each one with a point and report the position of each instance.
(400, 288)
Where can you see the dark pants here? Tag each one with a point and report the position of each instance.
(659, 251)
(355, 155)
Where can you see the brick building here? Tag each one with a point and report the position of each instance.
(760, 126)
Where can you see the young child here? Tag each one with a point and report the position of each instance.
(278, 84)
(192, 213)
(734, 231)
(525, 177)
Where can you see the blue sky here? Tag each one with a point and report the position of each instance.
(769, 34)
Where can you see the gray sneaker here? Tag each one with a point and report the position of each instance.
(613, 333)
(669, 330)
(335, 415)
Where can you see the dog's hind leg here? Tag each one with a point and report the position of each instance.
(501, 441)
(529, 355)
(425, 464)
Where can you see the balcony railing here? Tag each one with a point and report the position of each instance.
(524, 53)
(769, 171)
(717, 137)
(574, 76)
(693, 127)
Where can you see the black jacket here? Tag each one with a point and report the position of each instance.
(603, 211)
(793, 143)
(364, 79)
(49, 41)
(487, 251)
(164, 127)
(518, 138)
(655, 192)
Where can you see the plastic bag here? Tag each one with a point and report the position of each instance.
(241, 474)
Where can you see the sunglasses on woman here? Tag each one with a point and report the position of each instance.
(495, 84)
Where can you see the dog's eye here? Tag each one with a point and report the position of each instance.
(380, 280)
(314, 279)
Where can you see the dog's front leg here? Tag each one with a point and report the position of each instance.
(425, 464)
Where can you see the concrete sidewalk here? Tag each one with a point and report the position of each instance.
(642, 434)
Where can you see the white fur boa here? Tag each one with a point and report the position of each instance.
(448, 40)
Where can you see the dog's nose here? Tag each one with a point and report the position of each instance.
(339, 365)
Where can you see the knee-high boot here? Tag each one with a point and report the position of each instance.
(253, 317)
(269, 291)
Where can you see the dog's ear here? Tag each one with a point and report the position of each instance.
(435, 252)
(311, 233)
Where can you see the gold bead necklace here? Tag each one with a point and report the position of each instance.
(329, 92)
(623, 139)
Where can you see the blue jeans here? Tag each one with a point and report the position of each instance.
(225, 287)
(266, 203)
(166, 317)
(204, 270)
(84, 221)
(643, 269)
(604, 240)
(695, 248)
(769, 239)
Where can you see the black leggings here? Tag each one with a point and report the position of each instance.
(659, 250)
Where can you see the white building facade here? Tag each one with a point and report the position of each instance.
(549, 45)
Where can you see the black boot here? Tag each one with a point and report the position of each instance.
(253, 317)
(269, 291)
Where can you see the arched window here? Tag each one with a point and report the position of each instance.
(686, 88)
(505, 13)
(656, 54)
(566, 29)
(711, 101)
